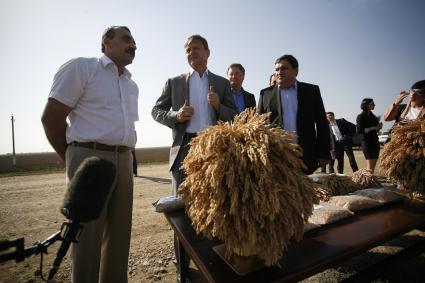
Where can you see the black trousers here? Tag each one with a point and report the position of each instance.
(340, 148)
(178, 176)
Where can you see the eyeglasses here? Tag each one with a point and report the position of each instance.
(413, 90)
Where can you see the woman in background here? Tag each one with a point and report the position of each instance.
(368, 125)
(413, 109)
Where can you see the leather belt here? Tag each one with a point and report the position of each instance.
(101, 146)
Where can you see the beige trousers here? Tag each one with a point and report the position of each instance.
(102, 253)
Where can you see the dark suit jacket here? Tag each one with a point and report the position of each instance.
(312, 125)
(172, 99)
(249, 99)
(347, 129)
(366, 120)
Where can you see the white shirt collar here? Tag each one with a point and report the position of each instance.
(191, 71)
(294, 86)
(107, 61)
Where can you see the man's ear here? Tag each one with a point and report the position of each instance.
(208, 51)
(106, 43)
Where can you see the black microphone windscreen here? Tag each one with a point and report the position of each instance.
(88, 189)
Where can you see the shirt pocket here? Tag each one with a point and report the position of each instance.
(132, 102)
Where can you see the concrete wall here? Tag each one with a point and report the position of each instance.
(46, 160)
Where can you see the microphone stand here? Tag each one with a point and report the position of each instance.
(71, 230)
(21, 253)
(69, 233)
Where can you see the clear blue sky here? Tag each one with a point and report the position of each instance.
(352, 49)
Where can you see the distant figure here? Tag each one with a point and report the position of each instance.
(413, 109)
(298, 107)
(133, 153)
(342, 133)
(368, 125)
(99, 99)
(189, 103)
(243, 99)
(272, 80)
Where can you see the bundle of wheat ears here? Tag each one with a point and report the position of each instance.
(326, 186)
(365, 179)
(339, 185)
(245, 186)
(403, 158)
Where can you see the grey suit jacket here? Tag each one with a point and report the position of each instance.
(172, 99)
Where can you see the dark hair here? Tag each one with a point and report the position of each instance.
(110, 33)
(290, 59)
(237, 65)
(330, 113)
(272, 80)
(419, 85)
(365, 102)
(196, 37)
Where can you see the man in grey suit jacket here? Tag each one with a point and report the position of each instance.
(298, 107)
(191, 102)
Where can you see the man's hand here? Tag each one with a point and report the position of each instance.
(213, 99)
(185, 112)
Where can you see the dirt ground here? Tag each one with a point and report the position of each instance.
(29, 208)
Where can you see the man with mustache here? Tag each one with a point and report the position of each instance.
(91, 111)
(298, 107)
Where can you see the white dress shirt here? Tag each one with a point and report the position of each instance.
(198, 99)
(335, 131)
(289, 100)
(104, 104)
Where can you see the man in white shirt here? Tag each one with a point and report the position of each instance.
(342, 132)
(91, 111)
(189, 103)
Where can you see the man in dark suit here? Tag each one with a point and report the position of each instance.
(342, 133)
(298, 107)
(243, 99)
(189, 103)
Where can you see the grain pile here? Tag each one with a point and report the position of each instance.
(322, 192)
(365, 179)
(403, 158)
(245, 186)
(339, 185)
(332, 185)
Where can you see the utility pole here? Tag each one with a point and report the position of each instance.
(13, 140)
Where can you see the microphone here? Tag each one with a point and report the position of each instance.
(83, 202)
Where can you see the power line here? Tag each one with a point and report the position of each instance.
(13, 140)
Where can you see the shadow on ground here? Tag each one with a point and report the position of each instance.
(155, 179)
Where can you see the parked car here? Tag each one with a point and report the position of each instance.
(383, 137)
